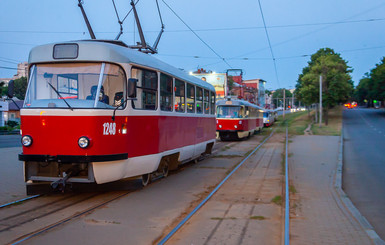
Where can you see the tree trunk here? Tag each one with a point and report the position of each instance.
(326, 115)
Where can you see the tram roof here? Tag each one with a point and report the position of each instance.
(114, 52)
(236, 102)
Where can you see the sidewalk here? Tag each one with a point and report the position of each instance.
(318, 214)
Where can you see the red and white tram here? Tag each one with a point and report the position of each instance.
(97, 111)
(237, 119)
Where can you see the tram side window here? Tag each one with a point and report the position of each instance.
(147, 88)
(199, 97)
(245, 112)
(165, 92)
(206, 102)
(212, 101)
(190, 98)
(179, 96)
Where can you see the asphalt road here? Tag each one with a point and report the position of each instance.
(364, 163)
(10, 141)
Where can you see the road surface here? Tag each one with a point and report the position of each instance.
(364, 163)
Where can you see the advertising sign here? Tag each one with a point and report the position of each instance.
(218, 80)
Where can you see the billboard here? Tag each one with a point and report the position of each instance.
(218, 80)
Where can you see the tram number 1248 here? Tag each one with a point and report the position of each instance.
(109, 128)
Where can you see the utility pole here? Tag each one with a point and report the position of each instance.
(320, 101)
(284, 103)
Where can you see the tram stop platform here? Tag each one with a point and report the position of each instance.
(321, 213)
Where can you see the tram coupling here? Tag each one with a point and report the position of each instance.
(60, 185)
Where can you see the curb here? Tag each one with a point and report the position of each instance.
(368, 228)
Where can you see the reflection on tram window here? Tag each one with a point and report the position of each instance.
(179, 95)
(147, 89)
(199, 100)
(190, 98)
(165, 92)
(230, 112)
(74, 85)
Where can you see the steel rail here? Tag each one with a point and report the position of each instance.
(173, 231)
(50, 227)
(18, 201)
(287, 201)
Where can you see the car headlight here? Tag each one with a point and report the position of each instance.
(83, 142)
(26, 140)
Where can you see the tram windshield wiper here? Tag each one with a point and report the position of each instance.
(60, 96)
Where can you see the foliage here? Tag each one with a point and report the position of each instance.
(372, 85)
(230, 83)
(2, 88)
(278, 96)
(20, 87)
(12, 123)
(337, 86)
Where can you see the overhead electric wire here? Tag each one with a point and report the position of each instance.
(129, 12)
(314, 31)
(268, 39)
(209, 29)
(223, 59)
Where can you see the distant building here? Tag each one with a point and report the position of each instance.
(12, 112)
(259, 85)
(22, 71)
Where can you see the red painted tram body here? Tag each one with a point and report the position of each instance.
(237, 119)
(98, 111)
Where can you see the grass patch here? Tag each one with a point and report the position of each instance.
(334, 123)
(297, 122)
(292, 189)
(277, 200)
(223, 218)
(258, 217)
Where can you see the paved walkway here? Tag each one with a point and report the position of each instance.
(318, 216)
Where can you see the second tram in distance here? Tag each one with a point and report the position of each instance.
(237, 119)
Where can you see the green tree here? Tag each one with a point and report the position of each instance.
(372, 85)
(2, 90)
(337, 86)
(278, 97)
(20, 87)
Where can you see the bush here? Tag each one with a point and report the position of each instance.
(12, 124)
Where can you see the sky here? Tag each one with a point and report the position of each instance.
(271, 40)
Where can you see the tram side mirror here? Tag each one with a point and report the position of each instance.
(11, 89)
(132, 87)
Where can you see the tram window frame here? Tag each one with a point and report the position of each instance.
(199, 100)
(180, 97)
(190, 97)
(68, 79)
(212, 102)
(166, 91)
(142, 90)
(206, 101)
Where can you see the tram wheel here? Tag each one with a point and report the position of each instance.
(146, 179)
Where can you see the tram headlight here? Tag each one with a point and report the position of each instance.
(83, 142)
(26, 140)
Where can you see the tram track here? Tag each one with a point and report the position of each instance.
(262, 167)
(18, 225)
(27, 218)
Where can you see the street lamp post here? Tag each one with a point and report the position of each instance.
(320, 101)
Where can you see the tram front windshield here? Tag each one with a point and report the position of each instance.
(229, 112)
(75, 85)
